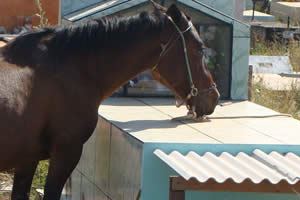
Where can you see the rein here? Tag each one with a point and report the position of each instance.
(166, 47)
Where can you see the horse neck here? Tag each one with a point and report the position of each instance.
(122, 63)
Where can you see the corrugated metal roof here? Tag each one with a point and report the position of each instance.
(257, 167)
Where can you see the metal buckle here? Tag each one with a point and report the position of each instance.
(194, 91)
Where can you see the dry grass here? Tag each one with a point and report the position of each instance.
(41, 14)
(281, 101)
(294, 53)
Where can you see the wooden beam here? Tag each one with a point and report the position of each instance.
(175, 194)
(180, 184)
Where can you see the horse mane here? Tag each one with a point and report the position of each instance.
(54, 45)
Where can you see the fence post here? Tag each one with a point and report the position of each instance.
(250, 74)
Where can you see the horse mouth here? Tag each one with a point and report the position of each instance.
(199, 112)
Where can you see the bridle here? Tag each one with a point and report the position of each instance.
(166, 47)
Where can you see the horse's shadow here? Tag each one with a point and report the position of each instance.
(141, 125)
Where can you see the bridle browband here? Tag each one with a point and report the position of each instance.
(166, 47)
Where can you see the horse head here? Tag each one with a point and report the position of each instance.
(181, 65)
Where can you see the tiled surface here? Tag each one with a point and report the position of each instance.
(87, 191)
(100, 195)
(79, 187)
(109, 168)
(235, 123)
(102, 155)
(87, 161)
(154, 126)
(125, 166)
(75, 185)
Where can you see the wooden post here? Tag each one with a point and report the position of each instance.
(179, 184)
(250, 74)
(175, 194)
(253, 9)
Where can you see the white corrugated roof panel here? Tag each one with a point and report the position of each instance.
(257, 167)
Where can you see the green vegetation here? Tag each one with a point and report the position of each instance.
(39, 178)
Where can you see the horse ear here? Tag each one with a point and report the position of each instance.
(174, 13)
(157, 6)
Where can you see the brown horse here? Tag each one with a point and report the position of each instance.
(53, 80)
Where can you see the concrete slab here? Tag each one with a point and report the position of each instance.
(236, 123)
(270, 64)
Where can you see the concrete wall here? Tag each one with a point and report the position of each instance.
(13, 12)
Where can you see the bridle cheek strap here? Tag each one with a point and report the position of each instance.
(166, 47)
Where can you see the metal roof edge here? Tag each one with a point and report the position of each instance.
(110, 9)
(209, 8)
(137, 2)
